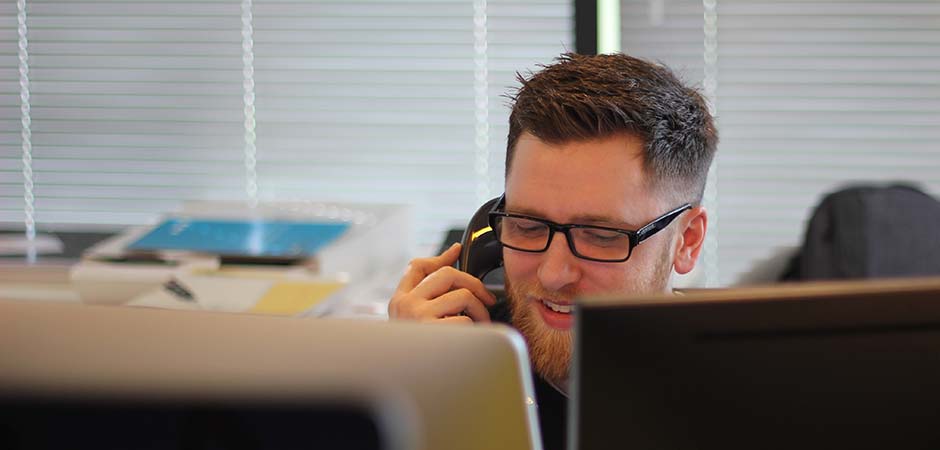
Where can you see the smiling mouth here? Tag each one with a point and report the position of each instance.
(558, 307)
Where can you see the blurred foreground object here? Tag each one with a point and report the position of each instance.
(194, 379)
(818, 365)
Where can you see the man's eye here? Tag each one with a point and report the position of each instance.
(526, 227)
(604, 237)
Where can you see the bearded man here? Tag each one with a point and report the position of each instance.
(606, 162)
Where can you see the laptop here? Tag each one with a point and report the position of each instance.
(109, 377)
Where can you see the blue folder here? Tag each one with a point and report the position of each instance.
(249, 238)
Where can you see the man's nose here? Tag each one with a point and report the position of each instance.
(559, 267)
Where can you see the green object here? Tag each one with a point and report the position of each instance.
(608, 26)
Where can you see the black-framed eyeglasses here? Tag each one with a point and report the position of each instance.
(590, 242)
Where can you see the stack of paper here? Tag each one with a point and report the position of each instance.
(258, 291)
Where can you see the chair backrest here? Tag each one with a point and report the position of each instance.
(870, 232)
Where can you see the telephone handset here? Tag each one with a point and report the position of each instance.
(480, 252)
(481, 255)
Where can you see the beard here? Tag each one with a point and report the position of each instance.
(550, 349)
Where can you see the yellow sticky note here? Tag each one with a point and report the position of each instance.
(293, 297)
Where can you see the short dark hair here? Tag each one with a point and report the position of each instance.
(580, 97)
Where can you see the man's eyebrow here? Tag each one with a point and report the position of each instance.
(583, 219)
(589, 219)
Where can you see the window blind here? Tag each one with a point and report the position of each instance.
(135, 107)
(11, 166)
(811, 96)
(139, 105)
(376, 101)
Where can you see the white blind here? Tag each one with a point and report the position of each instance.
(666, 31)
(812, 96)
(11, 168)
(135, 107)
(376, 101)
(139, 105)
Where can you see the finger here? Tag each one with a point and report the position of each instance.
(461, 320)
(420, 268)
(448, 279)
(456, 302)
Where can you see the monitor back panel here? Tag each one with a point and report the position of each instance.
(31, 423)
(835, 365)
(190, 377)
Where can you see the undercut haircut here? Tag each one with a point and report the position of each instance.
(581, 98)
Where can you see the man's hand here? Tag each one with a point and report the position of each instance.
(432, 290)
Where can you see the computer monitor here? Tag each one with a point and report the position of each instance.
(821, 365)
(109, 377)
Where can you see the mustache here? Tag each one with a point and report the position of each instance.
(537, 291)
(518, 296)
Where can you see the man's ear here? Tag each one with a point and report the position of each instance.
(691, 239)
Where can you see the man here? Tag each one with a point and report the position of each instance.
(616, 147)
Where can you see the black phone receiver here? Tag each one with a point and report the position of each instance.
(480, 252)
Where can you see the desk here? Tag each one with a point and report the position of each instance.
(47, 281)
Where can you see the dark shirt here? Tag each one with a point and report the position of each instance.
(553, 414)
(552, 404)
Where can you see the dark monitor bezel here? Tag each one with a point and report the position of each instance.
(668, 327)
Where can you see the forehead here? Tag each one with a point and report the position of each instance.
(594, 178)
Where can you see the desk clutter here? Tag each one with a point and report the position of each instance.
(298, 258)
(243, 290)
